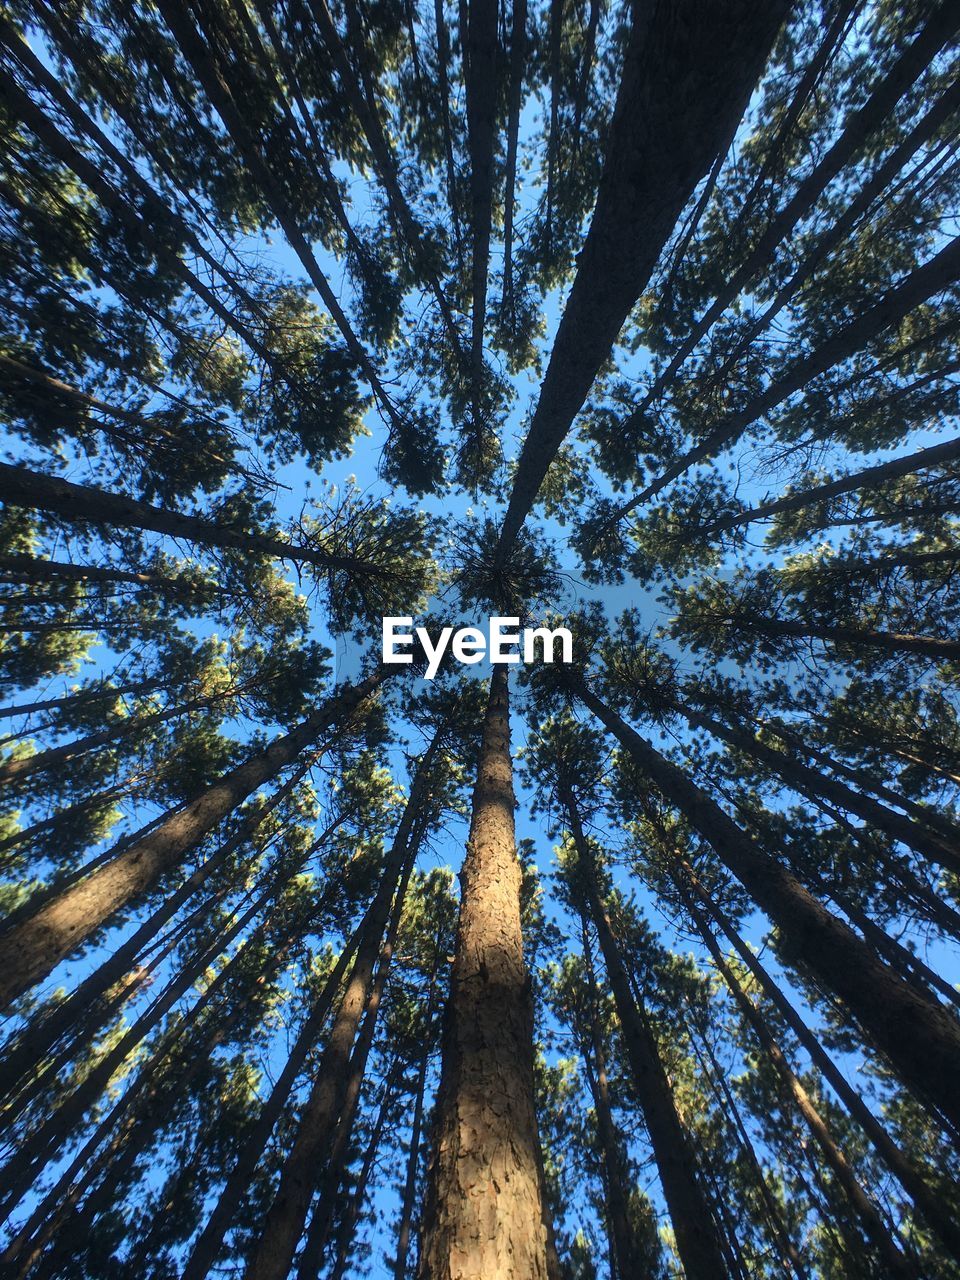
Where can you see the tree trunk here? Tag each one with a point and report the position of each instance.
(410, 1179)
(207, 1246)
(443, 83)
(21, 767)
(804, 779)
(868, 480)
(929, 1204)
(481, 83)
(81, 696)
(484, 1216)
(351, 1213)
(922, 284)
(862, 123)
(31, 950)
(553, 138)
(627, 1262)
(918, 1036)
(688, 75)
(891, 642)
(863, 1207)
(37, 491)
(24, 569)
(45, 1030)
(234, 119)
(92, 176)
(326, 1104)
(329, 1180)
(790, 1260)
(518, 51)
(693, 1223)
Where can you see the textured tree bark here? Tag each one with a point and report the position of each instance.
(693, 1223)
(919, 1037)
(484, 1215)
(688, 75)
(30, 950)
(66, 1019)
(129, 1125)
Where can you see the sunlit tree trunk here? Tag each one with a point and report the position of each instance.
(484, 1215)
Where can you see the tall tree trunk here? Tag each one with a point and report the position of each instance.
(863, 1207)
(130, 1124)
(481, 82)
(48, 1026)
(443, 83)
(366, 110)
(21, 767)
(484, 1216)
(93, 176)
(693, 1223)
(231, 113)
(328, 1181)
(351, 1214)
(518, 50)
(687, 77)
(790, 1259)
(930, 1205)
(863, 122)
(553, 136)
(70, 700)
(410, 1178)
(862, 780)
(23, 569)
(37, 491)
(207, 1246)
(32, 949)
(284, 1222)
(935, 647)
(804, 779)
(918, 1036)
(627, 1261)
(918, 287)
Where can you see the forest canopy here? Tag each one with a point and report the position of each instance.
(632, 320)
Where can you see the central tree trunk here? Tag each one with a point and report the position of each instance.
(484, 1217)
